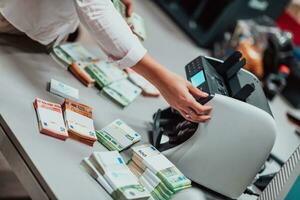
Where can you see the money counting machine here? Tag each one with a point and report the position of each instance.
(226, 153)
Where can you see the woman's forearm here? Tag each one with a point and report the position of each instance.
(178, 92)
(151, 70)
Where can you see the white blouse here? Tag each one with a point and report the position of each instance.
(52, 20)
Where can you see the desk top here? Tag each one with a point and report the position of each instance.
(25, 70)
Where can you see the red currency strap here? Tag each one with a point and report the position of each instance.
(48, 105)
(77, 107)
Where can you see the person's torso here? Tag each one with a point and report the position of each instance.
(42, 20)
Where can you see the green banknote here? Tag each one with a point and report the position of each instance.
(118, 136)
(123, 183)
(147, 157)
(123, 92)
(77, 52)
(105, 73)
(137, 25)
(135, 21)
(120, 7)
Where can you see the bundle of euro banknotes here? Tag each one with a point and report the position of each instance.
(72, 120)
(79, 122)
(75, 57)
(63, 90)
(113, 81)
(148, 175)
(105, 73)
(111, 172)
(117, 136)
(50, 119)
(156, 172)
(71, 52)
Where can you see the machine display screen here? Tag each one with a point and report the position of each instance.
(198, 79)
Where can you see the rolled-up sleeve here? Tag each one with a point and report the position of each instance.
(110, 31)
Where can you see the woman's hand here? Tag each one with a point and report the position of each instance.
(178, 92)
(182, 95)
(129, 7)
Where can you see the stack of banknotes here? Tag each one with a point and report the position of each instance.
(75, 57)
(114, 82)
(135, 22)
(157, 171)
(117, 136)
(105, 73)
(77, 68)
(79, 122)
(64, 90)
(123, 92)
(50, 119)
(110, 170)
(71, 52)
(158, 190)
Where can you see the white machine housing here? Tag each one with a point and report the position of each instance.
(226, 153)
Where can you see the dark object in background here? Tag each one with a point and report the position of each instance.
(292, 90)
(73, 37)
(280, 51)
(205, 20)
(297, 53)
(274, 83)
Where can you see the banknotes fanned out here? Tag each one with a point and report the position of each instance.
(135, 22)
(50, 119)
(137, 25)
(146, 157)
(105, 73)
(117, 136)
(79, 122)
(123, 91)
(110, 170)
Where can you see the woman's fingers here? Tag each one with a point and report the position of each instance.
(129, 7)
(190, 114)
(196, 92)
